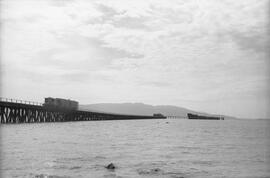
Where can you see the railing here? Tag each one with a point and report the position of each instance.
(10, 100)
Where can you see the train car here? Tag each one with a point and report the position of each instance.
(194, 116)
(61, 103)
(158, 115)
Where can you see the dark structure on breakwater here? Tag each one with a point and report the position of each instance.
(55, 110)
(194, 116)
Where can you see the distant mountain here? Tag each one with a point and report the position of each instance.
(141, 109)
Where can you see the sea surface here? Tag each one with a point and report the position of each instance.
(172, 148)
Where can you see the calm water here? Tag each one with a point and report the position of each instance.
(139, 148)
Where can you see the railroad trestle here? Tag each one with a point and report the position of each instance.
(28, 113)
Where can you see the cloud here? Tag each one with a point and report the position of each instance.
(76, 49)
(256, 41)
(61, 3)
(172, 50)
(108, 12)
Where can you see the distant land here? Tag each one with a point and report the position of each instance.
(144, 109)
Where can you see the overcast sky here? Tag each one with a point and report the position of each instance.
(206, 55)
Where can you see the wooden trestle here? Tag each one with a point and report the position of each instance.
(28, 113)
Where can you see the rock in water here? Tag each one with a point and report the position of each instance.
(110, 166)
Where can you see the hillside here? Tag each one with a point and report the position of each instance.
(140, 109)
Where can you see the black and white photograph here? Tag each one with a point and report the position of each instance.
(134, 88)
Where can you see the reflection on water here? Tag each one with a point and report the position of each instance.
(138, 148)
